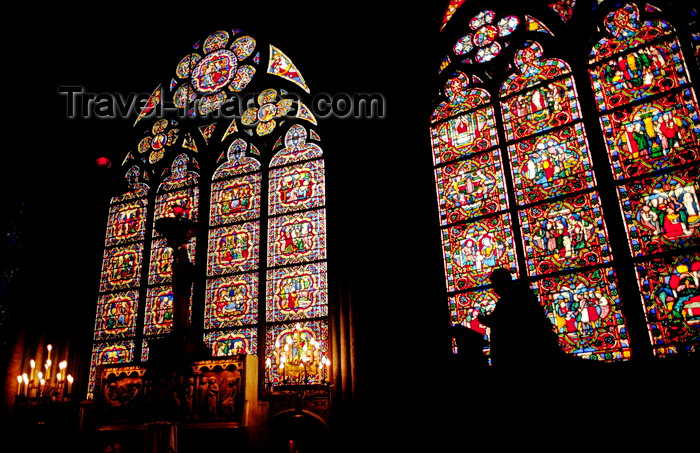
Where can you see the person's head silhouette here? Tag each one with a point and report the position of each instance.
(501, 280)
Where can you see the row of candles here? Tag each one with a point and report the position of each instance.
(298, 360)
(38, 384)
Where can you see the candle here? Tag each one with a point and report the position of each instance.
(25, 379)
(32, 364)
(19, 385)
(69, 378)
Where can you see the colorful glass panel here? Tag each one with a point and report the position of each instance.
(237, 163)
(116, 315)
(121, 267)
(160, 267)
(187, 199)
(234, 200)
(547, 106)
(464, 135)
(231, 301)
(297, 187)
(113, 353)
(553, 164)
(296, 148)
(627, 32)
(233, 248)
(108, 354)
(585, 310)
(531, 69)
(297, 293)
(460, 98)
(644, 72)
(655, 135)
(661, 212)
(158, 314)
(472, 251)
(231, 342)
(565, 234)
(296, 353)
(126, 222)
(471, 188)
(180, 177)
(465, 309)
(671, 296)
(297, 238)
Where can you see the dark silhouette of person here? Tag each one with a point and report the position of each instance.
(470, 345)
(522, 339)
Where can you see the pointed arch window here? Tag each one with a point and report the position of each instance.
(544, 206)
(260, 209)
(643, 161)
(648, 112)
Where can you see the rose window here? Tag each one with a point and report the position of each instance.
(160, 139)
(483, 42)
(213, 71)
(264, 116)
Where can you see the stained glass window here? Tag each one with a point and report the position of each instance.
(566, 234)
(250, 199)
(661, 212)
(118, 303)
(649, 117)
(531, 204)
(585, 310)
(671, 296)
(562, 180)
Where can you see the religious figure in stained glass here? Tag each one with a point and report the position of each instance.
(212, 71)
(297, 187)
(472, 251)
(233, 248)
(113, 353)
(662, 212)
(121, 267)
(231, 301)
(463, 135)
(565, 234)
(234, 200)
(671, 295)
(585, 310)
(646, 71)
(159, 311)
(226, 344)
(546, 106)
(552, 164)
(126, 222)
(297, 292)
(472, 131)
(659, 134)
(116, 315)
(626, 32)
(470, 188)
(296, 238)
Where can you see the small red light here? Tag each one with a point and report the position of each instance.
(103, 162)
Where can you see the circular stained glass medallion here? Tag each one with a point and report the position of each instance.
(214, 71)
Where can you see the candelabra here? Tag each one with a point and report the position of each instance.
(47, 385)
